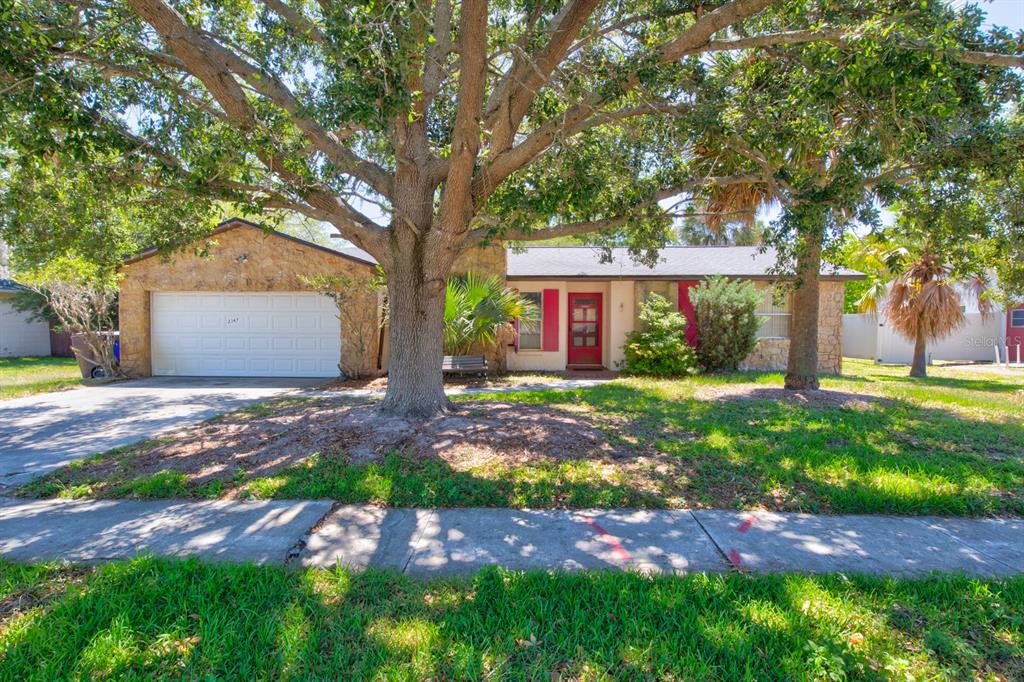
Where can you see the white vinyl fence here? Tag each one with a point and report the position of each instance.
(872, 337)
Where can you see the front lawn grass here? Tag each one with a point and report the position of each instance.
(30, 375)
(878, 442)
(171, 619)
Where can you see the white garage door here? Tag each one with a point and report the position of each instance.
(244, 335)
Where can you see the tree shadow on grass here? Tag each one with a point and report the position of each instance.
(152, 618)
(834, 451)
(829, 451)
(748, 446)
(979, 385)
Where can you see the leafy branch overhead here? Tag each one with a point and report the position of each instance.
(526, 120)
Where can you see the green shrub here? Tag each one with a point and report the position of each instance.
(726, 322)
(659, 348)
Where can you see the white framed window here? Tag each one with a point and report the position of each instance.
(530, 332)
(1017, 318)
(775, 314)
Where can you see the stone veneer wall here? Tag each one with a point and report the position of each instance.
(487, 261)
(772, 354)
(243, 258)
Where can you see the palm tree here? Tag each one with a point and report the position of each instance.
(477, 309)
(923, 303)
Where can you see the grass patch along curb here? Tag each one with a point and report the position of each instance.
(171, 619)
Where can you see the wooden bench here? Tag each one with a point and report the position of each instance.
(464, 364)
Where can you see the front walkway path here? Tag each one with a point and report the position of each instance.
(427, 542)
(553, 385)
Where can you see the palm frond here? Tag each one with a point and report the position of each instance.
(923, 300)
(477, 309)
(979, 290)
(873, 295)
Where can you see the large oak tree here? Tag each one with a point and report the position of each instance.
(422, 128)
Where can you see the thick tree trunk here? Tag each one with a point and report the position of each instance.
(415, 323)
(919, 367)
(802, 363)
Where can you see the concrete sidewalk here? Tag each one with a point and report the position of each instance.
(88, 531)
(429, 542)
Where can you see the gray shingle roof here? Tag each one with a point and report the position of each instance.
(355, 252)
(678, 262)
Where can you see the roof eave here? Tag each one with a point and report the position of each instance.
(765, 278)
(232, 223)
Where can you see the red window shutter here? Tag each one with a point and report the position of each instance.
(549, 307)
(687, 309)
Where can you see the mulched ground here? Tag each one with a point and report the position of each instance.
(820, 398)
(471, 434)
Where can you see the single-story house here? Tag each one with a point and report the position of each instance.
(588, 306)
(240, 308)
(20, 333)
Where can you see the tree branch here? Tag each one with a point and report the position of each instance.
(587, 226)
(437, 52)
(506, 162)
(213, 64)
(708, 25)
(841, 37)
(301, 24)
(457, 200)
(515, 93)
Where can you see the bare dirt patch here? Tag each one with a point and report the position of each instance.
(244, 445)
(819, 398)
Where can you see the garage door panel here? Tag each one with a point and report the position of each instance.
(283, 344)
(227, 334)
(258, 321)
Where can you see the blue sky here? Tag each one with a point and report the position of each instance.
(1009, 13)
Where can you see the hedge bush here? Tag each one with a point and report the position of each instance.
(659, 347)
(726, 322)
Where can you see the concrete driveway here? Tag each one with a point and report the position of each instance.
(44, 432)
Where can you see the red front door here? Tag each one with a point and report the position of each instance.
(584, 329)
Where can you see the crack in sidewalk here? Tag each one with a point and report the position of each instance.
(729, 564)
(295, 551)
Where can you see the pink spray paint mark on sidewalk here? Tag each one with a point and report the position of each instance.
(734, 556)
(617, 548)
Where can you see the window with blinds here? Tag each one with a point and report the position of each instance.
(774, 313)
(529, 332)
